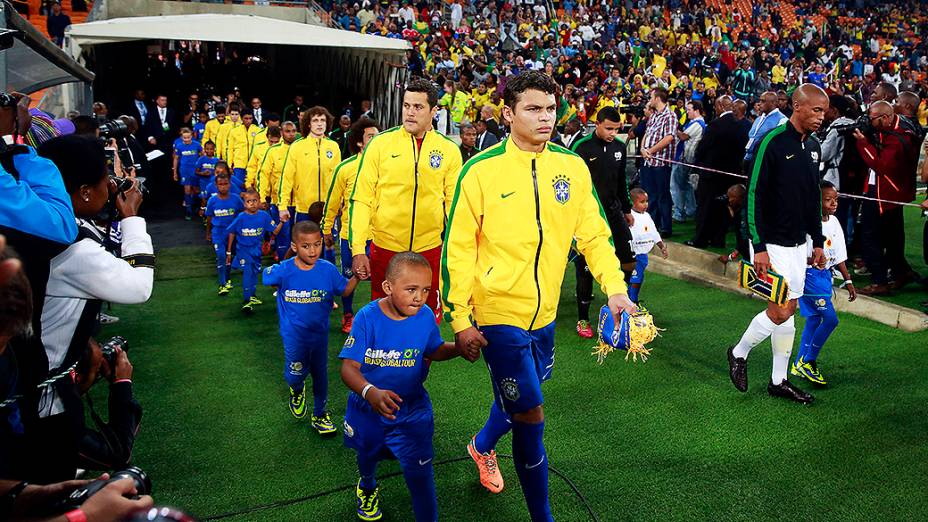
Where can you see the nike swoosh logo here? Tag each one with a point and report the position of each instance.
(593, 159)
(790, 156)
(506, 195)
(424, 462)
(536, 465)
(394, 155)
(494, 484)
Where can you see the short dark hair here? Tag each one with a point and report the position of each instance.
(534, 80)
(316, 211)
(827, 185)
(697, 106)
(272, 116)
(80, 159)
(209, 142)
(356, 132)
(273, 132)
(305, 227)
(403, 259)
(84, 124)
(608, 113)
(418, 84)
(660, 92)
(223, 164)
(637, 192)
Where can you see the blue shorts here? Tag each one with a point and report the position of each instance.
(189, 179)
(810, 306)
(519, 361)
(408, 438)
(641, 264)
(204, 182)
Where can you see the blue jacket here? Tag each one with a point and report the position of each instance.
(36, 203)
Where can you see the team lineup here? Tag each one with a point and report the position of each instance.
(435, 238)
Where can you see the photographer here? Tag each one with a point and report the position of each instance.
(891, 151)
(81, 277)
(19, 499)
(111, 447)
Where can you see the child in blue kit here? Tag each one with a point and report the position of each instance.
(221, 169)
(815, 304)
(206, 167)
(389, 413)
(221, 210)
(644, 237)
(186, 153)
(199, 128)
(306, 288)
(248, 229)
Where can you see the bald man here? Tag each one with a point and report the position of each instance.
(892, 178)
(784, 208)
(769, 117)
(906, 107)
(721, 148)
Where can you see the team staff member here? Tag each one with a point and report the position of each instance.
(309, 165)
(258, 149)
(404, 189)
(503, 294)
(267, 182)
(784, 206)
(605, 156)
(358, 136)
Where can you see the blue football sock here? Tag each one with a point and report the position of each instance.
(633, 290)
(188, 203)
(367, 468)
(531, 462)
(498, 424)
(808, 331)
(420, 480)
(829, 321)
(348, 304)
(318, 368)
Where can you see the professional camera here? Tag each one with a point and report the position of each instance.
(634, 110)
(113, 129)
(7, 100)
(862, 123)
(111, 349)
(109, 211)
(80, 495)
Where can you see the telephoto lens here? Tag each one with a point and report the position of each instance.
(142, 486)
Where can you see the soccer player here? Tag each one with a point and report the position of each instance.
(644, 237)
(403, 192)
(359, 135)
(186, 153)
(784, 207)
(241, 139)
(306, 287)
(605, 156)
(258, 149)
(199, 128)
(267, 181)
(211, 129)
(384, 366)
(310, 163)
(501, 294)
(205, 169)
(248, 229)
(233, 120)
(815, 304)
(221, 210)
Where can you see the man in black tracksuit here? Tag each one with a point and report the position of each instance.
(605, 156)
(784, 208)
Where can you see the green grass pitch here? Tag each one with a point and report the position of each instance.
(669, 439)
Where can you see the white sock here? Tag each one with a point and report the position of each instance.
(760, 328)
(782, 342)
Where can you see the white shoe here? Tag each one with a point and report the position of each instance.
(107, 319)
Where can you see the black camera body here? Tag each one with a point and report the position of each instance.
(111, 349)
(7, 100)
(109, 212)
(80, 495)
(862, 123)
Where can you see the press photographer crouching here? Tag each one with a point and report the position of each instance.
(890, 148)
(102, 500)
(91, 270)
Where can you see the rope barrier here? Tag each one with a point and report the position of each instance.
(742, 176)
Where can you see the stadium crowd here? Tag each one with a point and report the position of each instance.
(704, 94)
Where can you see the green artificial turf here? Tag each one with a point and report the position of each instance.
(669, 439)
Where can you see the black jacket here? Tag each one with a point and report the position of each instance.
(722, 146)
(784, 199)
(606, 162)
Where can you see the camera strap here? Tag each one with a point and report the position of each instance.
(68, 372)
(112, 440)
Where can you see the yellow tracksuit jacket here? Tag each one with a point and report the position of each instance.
(308, 172)
(222, 140)
(266, 180)
(211, 131)
(340, 188)
(241, 139)
(258, 150)
(510, 228)
(403, 193)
